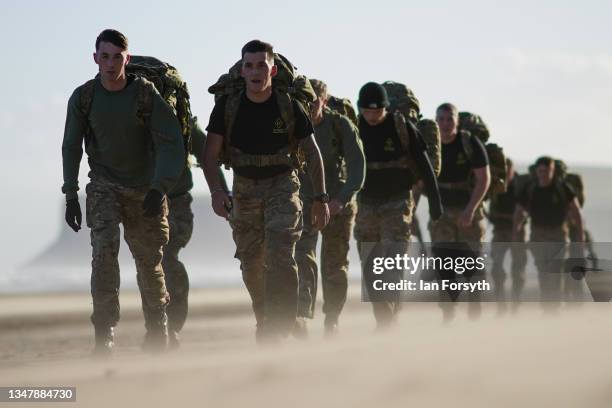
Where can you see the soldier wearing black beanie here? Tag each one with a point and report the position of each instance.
(373, 96)
(395, 152)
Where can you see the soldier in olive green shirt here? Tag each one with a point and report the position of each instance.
(344, 163)
(135, 152)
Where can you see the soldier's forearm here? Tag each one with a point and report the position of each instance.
(354, 182)
(428, 175)
(72, 153)
(581, 232)
(355, 165)
(71, 177)
(210, 163)
(430, 183)
(518, 221)
(200, 155)
(579, 224)
(213, 175)
(479, 192)
(315, 165)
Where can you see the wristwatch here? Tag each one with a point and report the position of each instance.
(324, 198)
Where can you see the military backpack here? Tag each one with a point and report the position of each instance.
(405, 108)
(562, 175)
(155, 74)
(344, 107)
(337, 108)
(471, 125)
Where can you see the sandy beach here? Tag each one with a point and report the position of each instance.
(538, 74)
(523, 359)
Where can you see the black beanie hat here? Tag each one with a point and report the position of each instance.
(373, 96)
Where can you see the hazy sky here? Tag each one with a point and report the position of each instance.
(540, 73)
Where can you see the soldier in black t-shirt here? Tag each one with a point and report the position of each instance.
(501, 215)
(464, 181)
(461, 199)
(549, 202)
(266, 213)
(395, 156)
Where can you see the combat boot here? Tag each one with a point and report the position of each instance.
(105, 341)
(300, 329)
(174, 340)
(265, 336)
(156, 323)
(330, 326)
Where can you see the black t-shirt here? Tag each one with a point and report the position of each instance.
(502, 205)
(380, 144)
(457, 166)
(259, 129)
(547, 206)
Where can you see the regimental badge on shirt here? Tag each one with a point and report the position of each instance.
(389, 146)
(460, 159)
(279, 127)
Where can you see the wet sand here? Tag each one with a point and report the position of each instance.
(523, 359)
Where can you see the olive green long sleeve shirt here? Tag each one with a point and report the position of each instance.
(119, 146)
(343, 157)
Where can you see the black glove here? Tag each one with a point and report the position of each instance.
(73, 214)
(152, 204)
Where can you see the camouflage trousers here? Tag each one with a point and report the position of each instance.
(451, 240)
(267, 222)
(108, 205)
(501, 243)
(446, 228)
(334, 262)
(382, 229)
(180, 219)
(549, 248)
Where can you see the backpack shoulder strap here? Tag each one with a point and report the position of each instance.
(86, 92)
(466, 142)
(144, 94)
(232, 103)
(337, 133)
(562, 187)
(402, 131)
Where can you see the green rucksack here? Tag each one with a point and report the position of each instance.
(344, 107)
(288, 86)
(472, 125)
(430, 132)
(475, 125)
(168, 83)
(403, 100)
(560, 170)
(337, 108)
(574, 180)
